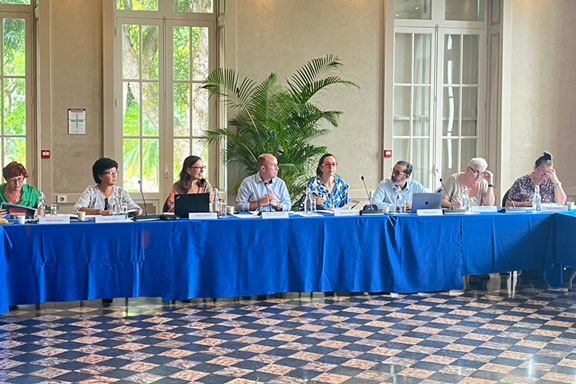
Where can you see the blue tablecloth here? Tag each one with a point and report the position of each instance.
(243, 257)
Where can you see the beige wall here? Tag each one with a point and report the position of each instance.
(282, 35)
(542, 84)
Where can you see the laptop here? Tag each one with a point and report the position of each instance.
(195, 202)
(426, 201)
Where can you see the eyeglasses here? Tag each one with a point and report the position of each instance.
(203, 168)
(475, 171)
(334, 164)
(111, 173)
(396, 172)
(16, 179)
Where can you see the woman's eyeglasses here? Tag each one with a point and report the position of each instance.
(111, 173)
(475, 171)
(203, 168)
(334, 164)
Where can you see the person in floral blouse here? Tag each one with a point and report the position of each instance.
(329, 190)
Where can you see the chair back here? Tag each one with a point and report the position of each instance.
(505, 198)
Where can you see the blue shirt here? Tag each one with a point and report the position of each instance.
(253, 188)
(386, 191)
(339, 196)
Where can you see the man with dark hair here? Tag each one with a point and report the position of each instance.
(263, 191)
(399, 182)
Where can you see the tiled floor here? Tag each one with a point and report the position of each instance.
(492, 333)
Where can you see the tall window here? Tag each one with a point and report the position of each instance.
(15, 81)
(438, 92)
(165, 49)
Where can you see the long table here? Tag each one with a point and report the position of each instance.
(232, 257)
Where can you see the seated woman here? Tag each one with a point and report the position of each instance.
(543, 175)
(99, 199)
(476, 178)
(328, 190)
(191, 181)
(14, 191)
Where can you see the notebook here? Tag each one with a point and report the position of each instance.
(17, 210)
(195, 202)
(426, 201)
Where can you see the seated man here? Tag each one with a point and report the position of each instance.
(263, 191)
(401, 182)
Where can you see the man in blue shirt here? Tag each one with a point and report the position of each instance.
(263, 191)
(399, 181)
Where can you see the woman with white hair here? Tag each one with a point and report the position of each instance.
(476, 178)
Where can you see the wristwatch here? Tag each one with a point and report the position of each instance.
(558, 184)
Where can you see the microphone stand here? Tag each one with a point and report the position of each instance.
(143, 199)
(452, 209)
(369, 209)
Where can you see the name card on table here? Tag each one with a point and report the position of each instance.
(202, 215)
(54, 219)
(275, 215)
(110, 219)
(554, 207)
(346, 212)
(429, 212)
(484, 208)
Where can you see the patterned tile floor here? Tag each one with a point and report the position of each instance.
(493, 332)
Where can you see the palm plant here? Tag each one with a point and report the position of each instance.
(276, 119)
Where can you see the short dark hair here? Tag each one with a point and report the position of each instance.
(408, 166)
(546, 158)
(320, 162)
(100, 166)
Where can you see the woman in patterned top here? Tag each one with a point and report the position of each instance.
(105, 197)
(543, 175)
(191, 181)
(328, 190)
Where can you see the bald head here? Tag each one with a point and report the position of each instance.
(267, 166)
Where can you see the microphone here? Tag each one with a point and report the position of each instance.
(143, 199)
(451, 210)
(369, 209)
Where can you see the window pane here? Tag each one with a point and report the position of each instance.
(15, 150)
(131, 113)
(150, 109)
(402, 127)
(200, 111)
(469, 111)
(25, 2)
(199, 148)
(181, 46)
(150, 52)
(449, 157)
(150, 165)
(421, 112)
(14, 93)
(131, 163)
(421, 160)
(465, 10)
(181, 151)
(137, 5)
(402, 102)
(451, 105)
(412, 9)
(14, 55)
(403, 58)
(200, 53)
(452, 59)
(401, 149)
(422, 58)
(470, 59)
(130, 52)
(181, 110)
(199, 6)
(468, 152)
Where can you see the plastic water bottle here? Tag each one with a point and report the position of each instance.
(41, 205)
(215, 201)
(309, 203)
(537, 200)
(466, 204)
(399, 205)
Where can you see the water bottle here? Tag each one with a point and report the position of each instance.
(400, 207)
(466, 204)
(41, 205)
(537, 200)
(215, 201)
(309, 203)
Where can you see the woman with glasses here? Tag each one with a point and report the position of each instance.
(191, 181)
(105, 196)
(543, 175)
(14, 191)
(476, 179)
(329, 190)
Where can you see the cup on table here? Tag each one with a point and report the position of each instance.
(230, 210)
(81, 215)
(386, 209)
(21, 219)
(54, 209)
(570, 205)
(223, 209)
